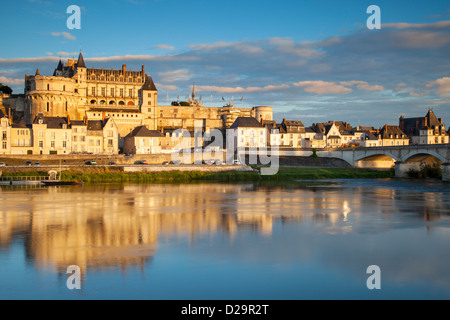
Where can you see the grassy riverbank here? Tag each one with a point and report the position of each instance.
(103, 175)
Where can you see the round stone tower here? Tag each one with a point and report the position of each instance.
(264, 113)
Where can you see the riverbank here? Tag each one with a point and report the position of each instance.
(108, 175)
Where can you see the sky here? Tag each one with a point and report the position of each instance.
(312, 61)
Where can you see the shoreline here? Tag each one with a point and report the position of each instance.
(285, 174)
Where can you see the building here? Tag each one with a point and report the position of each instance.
(424, 130)
(129, 97)
(143, 141)
(247, 132)
(392, 136)
(369, 140)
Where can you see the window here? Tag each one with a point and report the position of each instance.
(67, 107)
(48, 87)
(64, 88)
(112, 92)
(121, 92)
(93, 91)
(130, 93)
(75, 138)
(103, 91)
(82, 138)
(48, 106)
(41, 134)
(110, 143)
(110, 133)
(98, 142)
(52, 144)
(149, 95)
(52, 135)
(64, 144)
(5, 136)
(4, 145)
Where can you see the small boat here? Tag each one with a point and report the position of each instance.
(61, 183)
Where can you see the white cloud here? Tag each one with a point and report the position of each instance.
(362, 85)
(241, 89)
(176, 75)
(322, 87)
(164, 47)
(168, 87)
(443, 84)
(403, 25)
(5, 80)
(66, 35)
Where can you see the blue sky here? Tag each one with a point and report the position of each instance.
(310, 60)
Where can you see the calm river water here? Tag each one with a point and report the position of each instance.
(227, 241)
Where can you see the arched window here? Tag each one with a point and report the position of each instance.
(130, 103)
(93, 101)
(112, 102)
(121, 103)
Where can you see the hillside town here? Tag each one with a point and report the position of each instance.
(80, 110)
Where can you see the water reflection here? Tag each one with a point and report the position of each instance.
(110, 226)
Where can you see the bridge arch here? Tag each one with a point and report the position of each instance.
(375, 153)
(421, 155)
(377, 160)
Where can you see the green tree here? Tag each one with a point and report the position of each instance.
(5, 89)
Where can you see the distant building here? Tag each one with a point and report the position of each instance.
(143, 141)
(391, 135)
(369, 140)
(248, 133)
(424, 130)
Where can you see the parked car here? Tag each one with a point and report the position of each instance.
(91, 163)
(141, 162)
(218, 162)
(2, 164)
(236, 162)
(165, 163)
(177, 162)
(112, 163)
(28, 163)
(36, 164)
(208, 162)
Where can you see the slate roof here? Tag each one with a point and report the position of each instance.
(95, 125)
(246, 122)
(149, 84)
(143, 131)
(51, 122)
(395, 131)
(80, 63)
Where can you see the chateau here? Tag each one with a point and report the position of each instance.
(129, 97)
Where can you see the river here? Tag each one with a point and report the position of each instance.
(312, 240)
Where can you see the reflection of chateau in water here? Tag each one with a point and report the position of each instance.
(106, 226)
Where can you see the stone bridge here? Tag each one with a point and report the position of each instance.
(402, 158)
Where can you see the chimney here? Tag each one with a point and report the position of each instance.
(426, 122)
(68, 120)
(440, 121)
(124, 68)
(103, 115)
(162, 130)
(143, 69)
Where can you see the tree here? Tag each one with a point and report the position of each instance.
(5, 89)
(184, 104)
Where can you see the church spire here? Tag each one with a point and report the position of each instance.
(80, 63)
(37, 72)
(193, 91)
